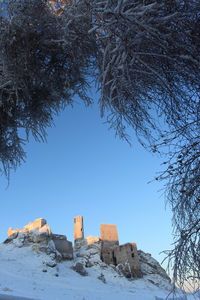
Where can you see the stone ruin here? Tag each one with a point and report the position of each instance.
(79, 239)
(38, 224)
(124, 256)
(109, 240)
(78, 232)
(38, 233)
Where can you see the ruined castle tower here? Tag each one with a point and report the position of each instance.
(109, 240)
(127, 254)
(109, 234)
(78, 230)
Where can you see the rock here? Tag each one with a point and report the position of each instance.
(79, 268)
(63, 246)
(45, 229)
(28, 227)
(11, 231)
(51, 264)
(153, 282)
(44, 270)
(94, 248)
(124, 270)
(58, 256)
(127, 255)
(36, 248)
(36, 237)
(51, 246)
(67, 256)
(80, 254)
(40, 224)
(20, 241)
(80, 243)
(102, 278)
(39, 236)
(37, 224)
(89, 264)
(91, 239)
(52, 255)
(41, 248)
(49, 249)
(11, 237)
(151, 266)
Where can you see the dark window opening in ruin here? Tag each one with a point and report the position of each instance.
(132, 254)
(114, 260)
(131, 248)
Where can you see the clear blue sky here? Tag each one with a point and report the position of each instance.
(83, 169)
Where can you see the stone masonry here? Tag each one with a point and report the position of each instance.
(92, 239)
(127, 254)
(63, 245)
(112, 253)
(39, 224)
(109, 234)
(78, 231)
(109, 239)
(124, 257)
(39, 231)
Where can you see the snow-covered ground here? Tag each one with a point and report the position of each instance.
(24, 273)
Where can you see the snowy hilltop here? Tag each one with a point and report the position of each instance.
(31, 266)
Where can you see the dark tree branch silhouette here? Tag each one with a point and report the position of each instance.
(182, 188)
(44, 61)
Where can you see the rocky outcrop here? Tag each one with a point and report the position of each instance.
(79, 268)
(63, 245)
(39, 224)
(124, 260)
(149, 265)
(102, 278)
(89, 256)
(40, 242)
(126, 257)
(38, 235)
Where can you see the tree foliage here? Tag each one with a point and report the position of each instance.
(182, 188)
(44, 61)
(150, 63)
(144, 56)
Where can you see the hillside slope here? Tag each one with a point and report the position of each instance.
(27, 272)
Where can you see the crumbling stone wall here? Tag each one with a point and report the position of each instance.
(109, 239)
(92, 239)
(107, 255)
(63, 245)
(39, 232)
(78, 231)
(40, 224)
(127, 255)
(109, 234)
